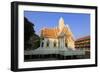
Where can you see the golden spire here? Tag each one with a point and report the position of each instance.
(61, 23)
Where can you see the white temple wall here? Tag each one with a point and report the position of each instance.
(51, 42)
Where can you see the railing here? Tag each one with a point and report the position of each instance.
(61, 51)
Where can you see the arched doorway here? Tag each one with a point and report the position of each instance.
(42, 44)
(66, 44)
(55, 44)
(47, 43)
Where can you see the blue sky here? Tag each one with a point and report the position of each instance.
(79, 23)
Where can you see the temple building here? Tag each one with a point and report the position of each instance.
(58, 37)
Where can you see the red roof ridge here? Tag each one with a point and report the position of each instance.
(84, 37)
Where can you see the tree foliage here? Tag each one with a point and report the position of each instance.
(31, 40)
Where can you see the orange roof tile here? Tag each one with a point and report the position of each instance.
(50, 32)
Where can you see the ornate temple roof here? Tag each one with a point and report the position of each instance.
(50, 32)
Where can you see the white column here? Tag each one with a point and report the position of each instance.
(61, 42)
(64, 42)
(57, 43)
(40, 43)
(44, 43)
(50, 44)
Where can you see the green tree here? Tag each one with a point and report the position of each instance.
(31, 40)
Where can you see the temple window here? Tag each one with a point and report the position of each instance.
(42, 44)
(48, 43)
(66, 45)
(55, 44)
